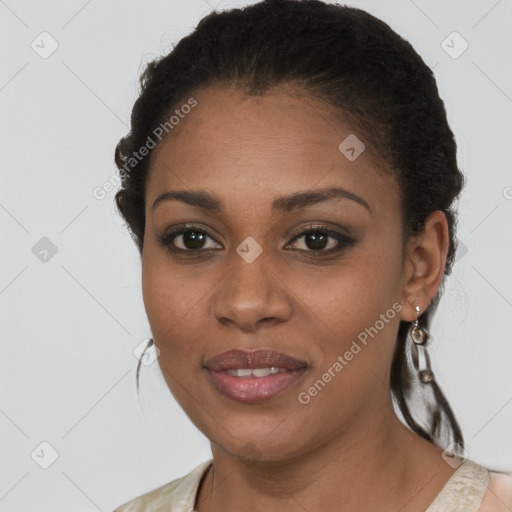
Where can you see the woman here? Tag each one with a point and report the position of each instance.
(289, 179)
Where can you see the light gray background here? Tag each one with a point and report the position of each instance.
(70, 324)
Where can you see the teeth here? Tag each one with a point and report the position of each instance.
(261, 372)
(256, 372)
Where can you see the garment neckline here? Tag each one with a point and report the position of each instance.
(464, 490)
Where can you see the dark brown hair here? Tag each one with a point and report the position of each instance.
(370, 77)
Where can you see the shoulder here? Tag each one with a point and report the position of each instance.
(464, 490)
(498, 495)
(178, 495)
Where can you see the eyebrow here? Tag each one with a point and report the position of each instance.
(284, 204)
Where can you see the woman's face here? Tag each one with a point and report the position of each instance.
(253, 172)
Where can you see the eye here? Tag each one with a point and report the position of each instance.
(320, 239)
(317, 240)
(189, 239)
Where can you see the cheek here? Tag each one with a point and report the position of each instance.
(356, 306)
(173, 311)
(176, 299)
(351, 295)
(170, 293)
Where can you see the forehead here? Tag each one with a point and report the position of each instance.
(250, 147)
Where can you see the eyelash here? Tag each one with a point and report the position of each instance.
(344, 241)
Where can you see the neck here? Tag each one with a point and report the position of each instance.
(370, 464)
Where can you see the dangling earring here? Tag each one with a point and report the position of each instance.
(149, 344)
(419, 337)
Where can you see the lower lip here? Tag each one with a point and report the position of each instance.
(251, 390)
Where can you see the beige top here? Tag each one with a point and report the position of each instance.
(472, 488)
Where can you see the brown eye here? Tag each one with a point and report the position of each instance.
(320, 240)
(317, 241)
(191, 240)
(188, 239)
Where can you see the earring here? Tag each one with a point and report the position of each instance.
(419, 337)
(149, 344)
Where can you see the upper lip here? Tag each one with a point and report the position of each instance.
(233, 359)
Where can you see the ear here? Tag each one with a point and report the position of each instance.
(424, 265)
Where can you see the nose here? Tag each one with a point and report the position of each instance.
(251, 295)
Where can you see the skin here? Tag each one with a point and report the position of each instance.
(346, 445)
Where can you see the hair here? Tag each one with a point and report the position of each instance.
(370, 78)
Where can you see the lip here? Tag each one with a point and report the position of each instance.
(233, 359)
(250, 389)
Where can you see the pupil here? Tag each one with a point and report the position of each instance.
(193, 239)
(316, 241)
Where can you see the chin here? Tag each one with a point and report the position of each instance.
(264, 441)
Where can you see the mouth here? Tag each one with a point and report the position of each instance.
(253, 377)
